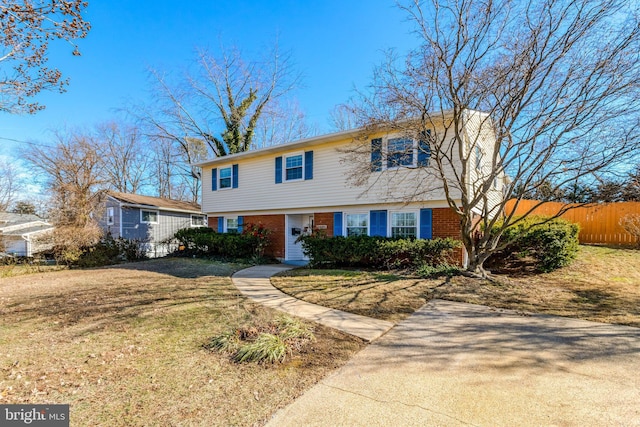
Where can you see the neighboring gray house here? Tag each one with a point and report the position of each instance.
(24, 234)
(152, 220)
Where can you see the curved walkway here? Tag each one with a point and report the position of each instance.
(254, 283)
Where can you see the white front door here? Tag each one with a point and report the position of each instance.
(296, 225)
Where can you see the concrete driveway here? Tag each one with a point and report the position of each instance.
(455, 364)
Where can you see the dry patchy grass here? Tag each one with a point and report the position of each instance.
(602, 285)
(124, 346)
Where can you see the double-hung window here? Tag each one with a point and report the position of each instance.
(225, 178)
(232, 225)
(294, 167)
(400, 152)
(404, 225)
(357, 224)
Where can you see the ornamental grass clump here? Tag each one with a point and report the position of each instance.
(266, 343)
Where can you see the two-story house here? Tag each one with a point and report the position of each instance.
(300, 186)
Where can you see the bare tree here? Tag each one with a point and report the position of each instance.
(226, 95)
(126, 161)
(9, 185)
(74, 179)
(28, 26)
(557, 82)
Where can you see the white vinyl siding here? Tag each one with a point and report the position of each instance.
(329, 186)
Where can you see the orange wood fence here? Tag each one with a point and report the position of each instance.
(598, 223)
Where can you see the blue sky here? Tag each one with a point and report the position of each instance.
(335, 44)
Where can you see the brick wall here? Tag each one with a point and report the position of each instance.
(324, 219)
(213, 222)
(275, 223)
(447, 224)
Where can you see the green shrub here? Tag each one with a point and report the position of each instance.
(445, 269)
(374, 252)
(204, 241)
(551, 243)
(110, 251)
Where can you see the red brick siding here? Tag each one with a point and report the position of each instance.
(275, 223)
(213, 222)
(447, 224)
(325, 219)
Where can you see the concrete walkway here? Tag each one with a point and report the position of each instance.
(254, 283)
(455, 364)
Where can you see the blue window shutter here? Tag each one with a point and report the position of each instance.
(378, 226)
(426, 221)
(220, 224)
(240, 223)
(279, 170)
(337, 223)
(424, 150)
(308, 165)
(234, 176)
(376, 155)
(214, 179)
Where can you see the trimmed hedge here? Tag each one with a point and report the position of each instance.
(376, 252)
(552, 243)
(205, 241)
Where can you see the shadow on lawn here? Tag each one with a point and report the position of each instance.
(117, 299)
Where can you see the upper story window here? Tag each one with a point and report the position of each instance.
(400, 152)
(225, 178)
(478, 157)
(110, 216)
(404, 224)
(357, 224)
(197, 221)
(149, 217)
(294, 167)
(397, 152)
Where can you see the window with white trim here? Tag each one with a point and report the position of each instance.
(404, 225)
(478, 157)
(400, 152)
(231, 225)
(110, 216)
(357, 224)
(294, 167)
(225, 180)
(197, 220)
(149, 217)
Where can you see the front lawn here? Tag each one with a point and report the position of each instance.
(124, 346)
(602, 285)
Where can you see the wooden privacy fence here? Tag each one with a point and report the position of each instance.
(599, 223)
